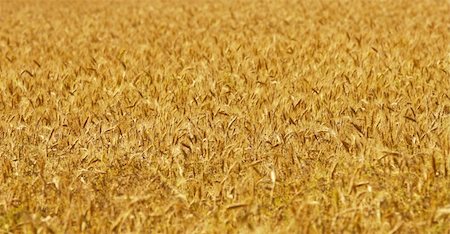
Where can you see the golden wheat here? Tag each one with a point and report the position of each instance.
(225, 116)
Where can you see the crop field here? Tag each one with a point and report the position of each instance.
(245, 116)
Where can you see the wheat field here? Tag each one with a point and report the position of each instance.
(246, 116)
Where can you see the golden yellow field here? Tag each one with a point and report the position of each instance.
(249, 116)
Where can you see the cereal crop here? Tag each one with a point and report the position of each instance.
(246, 116)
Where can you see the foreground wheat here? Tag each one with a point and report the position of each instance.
(225, 116)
